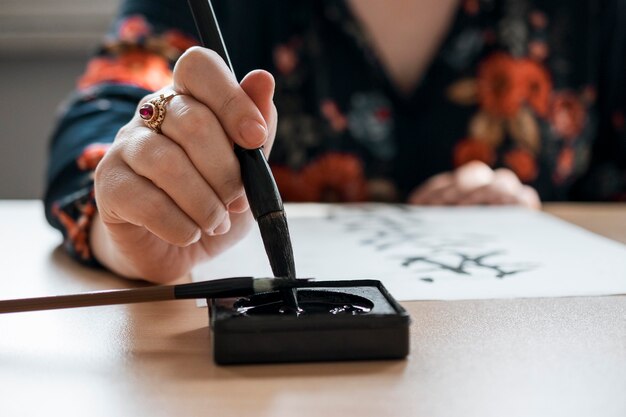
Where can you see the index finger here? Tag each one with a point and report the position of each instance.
(203, 74)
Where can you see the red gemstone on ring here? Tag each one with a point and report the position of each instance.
(146, 111)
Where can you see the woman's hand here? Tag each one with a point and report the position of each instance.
(168, 201)
(475, 183)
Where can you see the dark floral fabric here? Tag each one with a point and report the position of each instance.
(135, 58)
(533, 86)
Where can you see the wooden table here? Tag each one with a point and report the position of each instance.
(526, 357)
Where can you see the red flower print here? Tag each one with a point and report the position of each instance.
(179, 40)
(133, 28)
(334, 177)
(499, 90)
(470, 149)
(537, 84)
(522, 163)
(285, 59)
(564, 165)
(567, 115)
(382, 114)
(91, 156)
(141, 68)
(486, 128)
(525, 131)
(331, 112)
(289, 184)
(538, 50)
(505, 83)
(77, 230)
(538, 20)
(463, 92)
(471, 7)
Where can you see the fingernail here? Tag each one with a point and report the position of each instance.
(223, 227)
(196, 237)
(238, 205)
(253, 132)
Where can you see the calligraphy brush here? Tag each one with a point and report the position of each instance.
(260, 186)
(218, 288)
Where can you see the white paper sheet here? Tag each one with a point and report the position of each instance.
(439, 253)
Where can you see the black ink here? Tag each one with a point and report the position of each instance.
(311, 302)
(402, 230)
(466, 261)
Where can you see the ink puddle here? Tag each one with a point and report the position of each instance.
(310, 302)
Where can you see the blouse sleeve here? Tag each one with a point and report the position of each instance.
(135, 58)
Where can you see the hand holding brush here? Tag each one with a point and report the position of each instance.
(170, 200)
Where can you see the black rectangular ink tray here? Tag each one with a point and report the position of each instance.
(343, 320)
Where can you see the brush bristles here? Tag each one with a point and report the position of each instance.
(277, 242)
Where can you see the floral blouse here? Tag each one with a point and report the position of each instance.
(534, 86)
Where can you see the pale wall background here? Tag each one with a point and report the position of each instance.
(44, 45)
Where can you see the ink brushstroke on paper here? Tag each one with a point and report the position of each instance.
(439, 253)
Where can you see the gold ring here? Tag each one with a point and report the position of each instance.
(153, 112)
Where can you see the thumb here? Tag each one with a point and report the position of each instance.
(259, 86)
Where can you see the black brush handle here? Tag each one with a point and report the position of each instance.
(209, 30)
(261, 190)
(260, 186)
(258, 181)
